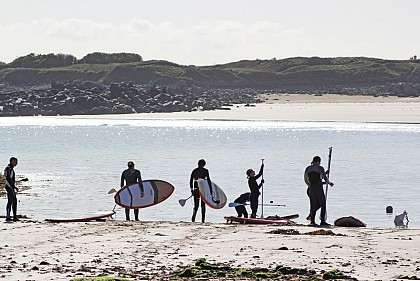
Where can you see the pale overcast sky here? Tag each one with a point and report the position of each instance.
(208, 32)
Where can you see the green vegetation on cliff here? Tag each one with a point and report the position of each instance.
(297, 74)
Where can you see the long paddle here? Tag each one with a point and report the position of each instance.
(329, 173)
(183, 201)
(234, 204)
(262, 191)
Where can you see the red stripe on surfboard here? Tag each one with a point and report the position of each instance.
(256, 221)
(86, 219)
(207, 202)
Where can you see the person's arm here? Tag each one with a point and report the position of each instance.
(122, 180)
(9, 180)
(192, 181)
(306, 178)
(325, 177)
(208, 178)
(260, 172)
(140, 183)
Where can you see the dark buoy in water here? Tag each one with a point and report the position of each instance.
(389, 210)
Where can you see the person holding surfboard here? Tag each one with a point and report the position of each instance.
(255, 189)
(11, 189)
(130, 176)
(199, 173)
(314, 174)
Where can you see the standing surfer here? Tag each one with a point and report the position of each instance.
(131, 176)
(199, 173)
(254, 188)
(314, 174)
(11, 189)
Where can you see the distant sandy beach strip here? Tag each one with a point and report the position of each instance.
(295, 107)
(36, 250)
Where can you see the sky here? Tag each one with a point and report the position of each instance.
(208, 32)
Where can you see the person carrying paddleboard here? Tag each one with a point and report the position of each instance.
(11, 189)
(254, 188)
(130, 176)
(242, 199)
(199, 173)
(314, 174)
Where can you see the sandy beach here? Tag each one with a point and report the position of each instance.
(295, 107)
(36, 250)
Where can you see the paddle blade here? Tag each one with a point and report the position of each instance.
(24, 179)
(112, 191)
(25, 188)
(182, 202)
(233, 204)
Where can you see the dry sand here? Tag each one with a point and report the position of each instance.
(294, 107)
(45, 251)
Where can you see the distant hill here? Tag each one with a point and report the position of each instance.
(292, 74)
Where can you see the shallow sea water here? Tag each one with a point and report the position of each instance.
(73, 162)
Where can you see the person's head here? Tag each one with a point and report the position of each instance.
(250, 173)
(13, 161)
(130, 164)
(201, 163)
(316, 160)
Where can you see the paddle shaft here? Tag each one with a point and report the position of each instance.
(329, 173)
(233, 204)
(262, 190)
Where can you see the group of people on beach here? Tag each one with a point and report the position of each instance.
(313, 177)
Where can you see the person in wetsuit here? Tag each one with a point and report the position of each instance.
(199, 173)
(254, 187)
(242, 199)
(130, 176)
(11, 189)
(314, 174)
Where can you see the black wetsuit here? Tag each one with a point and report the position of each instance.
(130, 176)
(313, 178)
(9, 174)
(199, 173)
(241, 210)
(254, 187)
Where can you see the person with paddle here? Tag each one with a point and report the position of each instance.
(199, 173)
(11, 189)
(130, 176)
(254, 188)
(314, 174)
(242, 199)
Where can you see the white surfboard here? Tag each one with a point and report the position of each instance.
(155, 191)
(208, 198)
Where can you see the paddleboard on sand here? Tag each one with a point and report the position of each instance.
(349, 222)
(283, 221)
(217, 199)
(85, 219)
(155, 191)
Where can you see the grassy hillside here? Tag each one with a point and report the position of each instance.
(290, 74)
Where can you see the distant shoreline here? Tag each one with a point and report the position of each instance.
(290, 107)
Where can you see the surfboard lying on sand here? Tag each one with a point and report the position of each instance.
(155, 192)
(85, 219)
(217, 199)
(349, 222)
(284, 221)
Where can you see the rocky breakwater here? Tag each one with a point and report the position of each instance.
(76, 98)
